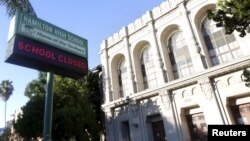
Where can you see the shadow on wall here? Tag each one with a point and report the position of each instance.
(140, 120)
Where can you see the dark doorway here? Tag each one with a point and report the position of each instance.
(125, 131)
(158, 130)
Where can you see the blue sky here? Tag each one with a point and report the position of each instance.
(91, 19)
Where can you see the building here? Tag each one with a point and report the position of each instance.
(13, 135)
(1, 131)
(172, 72)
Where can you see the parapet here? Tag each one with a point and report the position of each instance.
(139, 23)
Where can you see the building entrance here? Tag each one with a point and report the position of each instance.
(158, 131)
(197, 127)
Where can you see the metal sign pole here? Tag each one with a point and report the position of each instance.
(48, 108)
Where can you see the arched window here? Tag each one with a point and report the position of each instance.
(147, 68)
(122, 79)
(221, 47)
(179, 56)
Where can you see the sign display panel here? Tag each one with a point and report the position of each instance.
(34, 54)
(44, 32)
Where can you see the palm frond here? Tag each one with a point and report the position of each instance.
(6, 90)
(12, 6)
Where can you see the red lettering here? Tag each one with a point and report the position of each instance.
(27, 47)
(35, 50)
(60, 58)
(20, 45)
(41, 52)
(49, 55)
(83, 65)
(71, 61)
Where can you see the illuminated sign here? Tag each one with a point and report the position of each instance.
(33, 54)
(40, 30)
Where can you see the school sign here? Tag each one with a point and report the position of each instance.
(40, 30)
(37, 44)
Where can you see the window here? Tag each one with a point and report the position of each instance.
(122, 79)
(241, 113)
(147, 69)
(197, 126)
(179, 56)
(221, 47)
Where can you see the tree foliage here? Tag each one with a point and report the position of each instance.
(232, 15)
(74, 116)
(246, 74)
(6, 90)
(12, 6)
(6, 133)
(30, 123)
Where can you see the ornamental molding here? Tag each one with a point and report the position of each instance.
(206, 88)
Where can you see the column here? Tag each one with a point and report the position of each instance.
(105, 72)
(156, 53)
(131, 75)
(211, 103)
(170, 118)
(193, 45)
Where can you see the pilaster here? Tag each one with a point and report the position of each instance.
(193, 45)
(170, 119)
(105, 72)
(211, 103)
(131, 75)
(156, 53)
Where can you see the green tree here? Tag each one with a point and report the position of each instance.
(232, 15)
(30, 123)
(246, 74)
(7, 132)
(94, 93)
(73, 113)
(12, 6)
(6, 90)
(33, 110)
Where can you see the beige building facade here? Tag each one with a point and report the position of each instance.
(172, 72)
